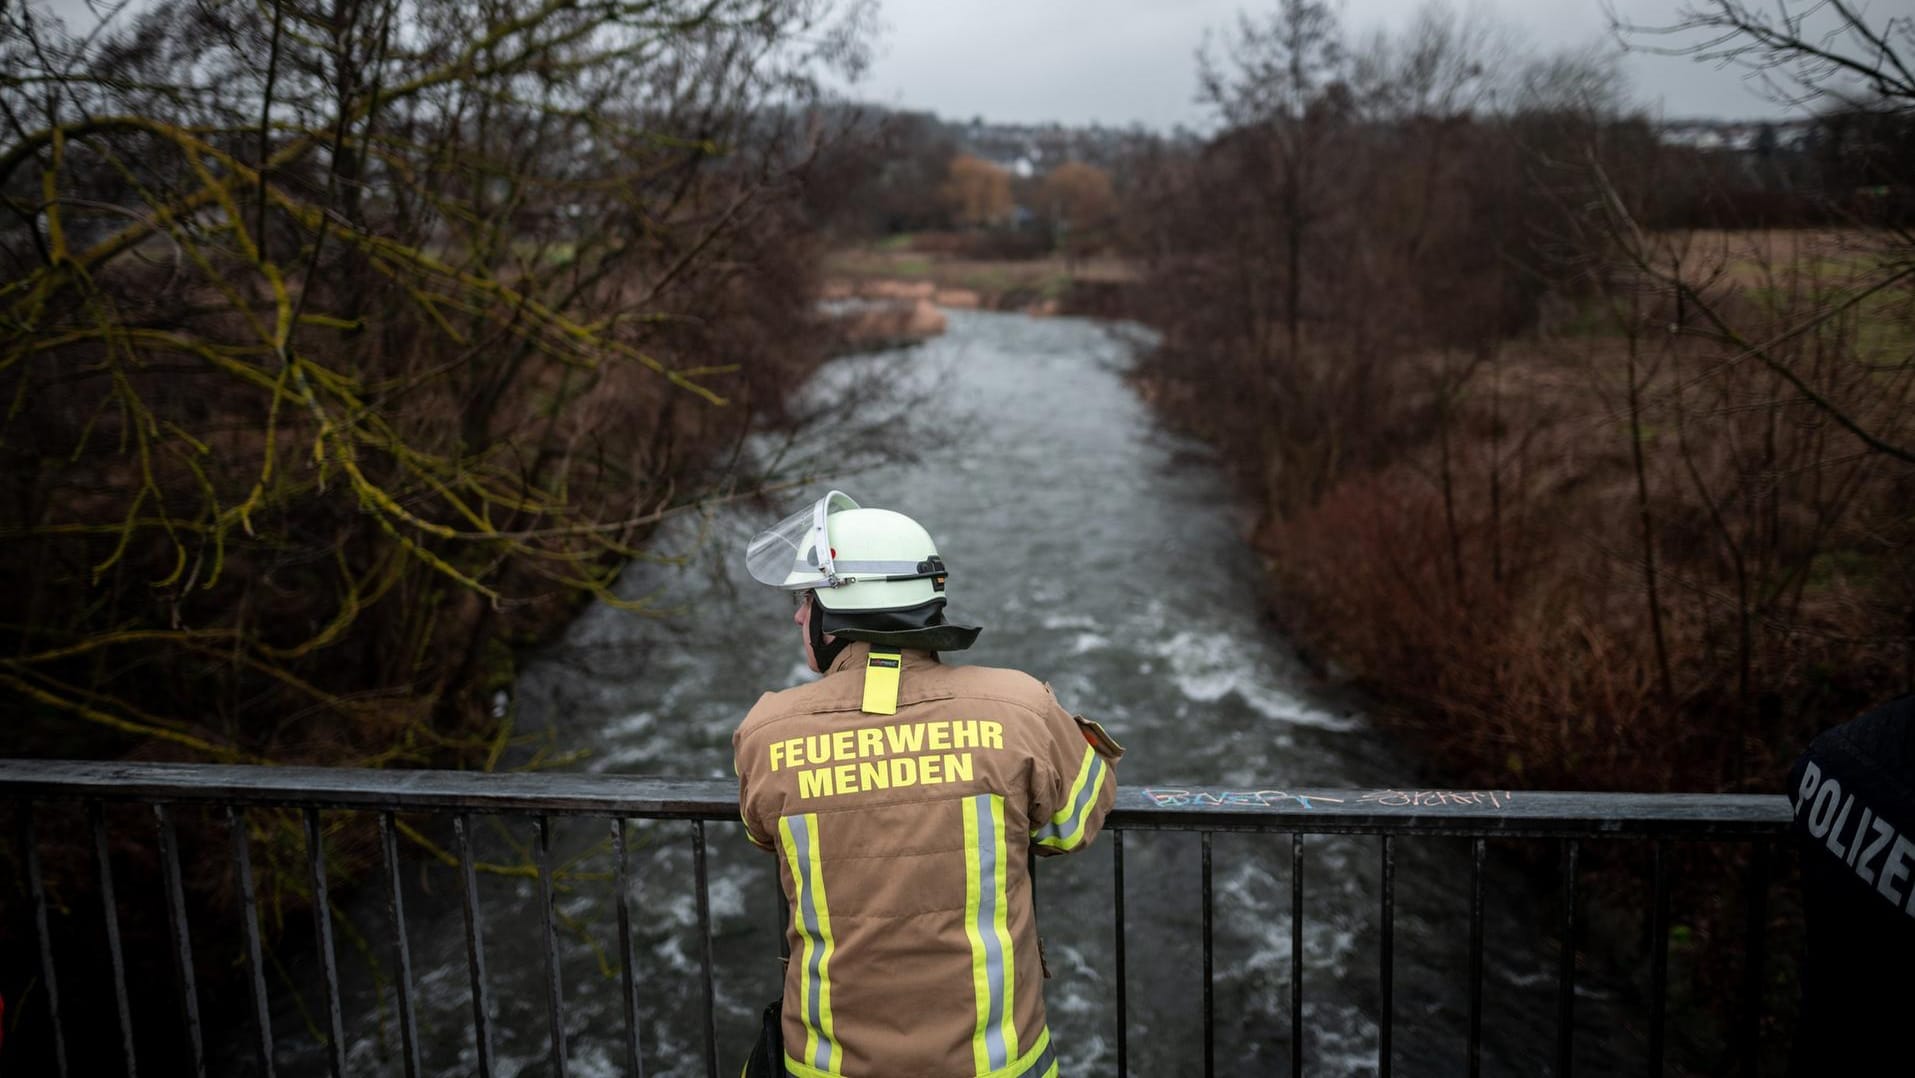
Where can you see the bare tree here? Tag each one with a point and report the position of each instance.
(1799, 51)
(359, 334)
(1278, 83)
(1280, 77)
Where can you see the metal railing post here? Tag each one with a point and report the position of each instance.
(555, 992)
(474, 946)
(634, 1059)
(1385, 959)
(700, 872)
(1658, 954)
(37, 894)
(1123, 1011)
(236, 826)
(1755, 954)
(182, 938)
(322, 930)
(401, 946)
(1210, 1022)
(1566, 966)
(1477, 856)
(1296, 953)
(96, 815)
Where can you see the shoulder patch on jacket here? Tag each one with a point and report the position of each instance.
(1099, 738)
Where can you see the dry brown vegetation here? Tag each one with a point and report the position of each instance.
(942, 261)
(1564, 613)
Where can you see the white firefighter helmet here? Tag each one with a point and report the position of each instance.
(856, 559)
(876, 573)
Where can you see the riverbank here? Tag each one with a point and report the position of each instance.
(919, 268)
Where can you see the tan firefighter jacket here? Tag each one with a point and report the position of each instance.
(902, 844)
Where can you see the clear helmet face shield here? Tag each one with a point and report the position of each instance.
(795, 554)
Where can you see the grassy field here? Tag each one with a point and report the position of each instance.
(1757, 257)
(1809, 274)
(1046, 278)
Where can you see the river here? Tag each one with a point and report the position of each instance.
(1103, 555)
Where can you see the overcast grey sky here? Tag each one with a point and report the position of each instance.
(1122, 61)
(1119, 62)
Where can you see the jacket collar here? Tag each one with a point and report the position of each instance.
(854, 656)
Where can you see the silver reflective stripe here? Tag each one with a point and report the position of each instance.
(843, 566)
(814, 969)
(1045, 1061)
(1065, 832)
(987, 899)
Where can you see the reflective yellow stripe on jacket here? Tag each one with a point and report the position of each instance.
(812, 915)
(1039, 1062)
(1066, 830)
(993, 956)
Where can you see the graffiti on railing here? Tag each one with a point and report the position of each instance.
(1439, 798)
(1183, 798)
(1213, 798)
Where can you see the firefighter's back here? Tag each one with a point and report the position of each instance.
(903, 842)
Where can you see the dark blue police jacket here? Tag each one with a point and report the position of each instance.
(1854, 798)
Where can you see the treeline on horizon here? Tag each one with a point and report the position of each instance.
(979, 189)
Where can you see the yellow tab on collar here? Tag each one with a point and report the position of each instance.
(881, 672)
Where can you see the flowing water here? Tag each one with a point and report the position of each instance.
(1105, 556)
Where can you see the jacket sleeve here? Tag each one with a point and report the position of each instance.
(742, 767)
(1079, 784)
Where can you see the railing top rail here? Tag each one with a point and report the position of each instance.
(1437, 811)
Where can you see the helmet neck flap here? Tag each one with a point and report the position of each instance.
(922, 627)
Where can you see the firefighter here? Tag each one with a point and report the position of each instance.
(901, 796)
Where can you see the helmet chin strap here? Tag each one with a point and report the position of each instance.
(826, 652)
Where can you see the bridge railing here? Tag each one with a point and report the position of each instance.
(1569, 819)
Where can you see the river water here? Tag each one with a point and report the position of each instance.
(1101, 554)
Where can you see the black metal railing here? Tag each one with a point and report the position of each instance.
(1569, 819)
